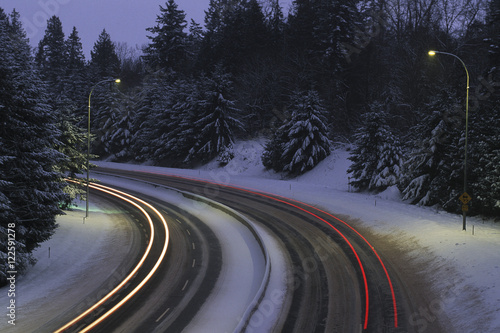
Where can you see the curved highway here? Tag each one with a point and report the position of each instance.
(164, 289)
(181, 284)
(336, 281)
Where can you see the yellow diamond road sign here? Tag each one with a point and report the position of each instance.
(465, 198)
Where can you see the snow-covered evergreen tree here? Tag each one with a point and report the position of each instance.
(30, 187)
(484, 160)
(118, 130)
(336, 27)
(106, 99)
(106, 108)
(182, 122)
(73, 107)
(213, 118)
(308, 142)
(61, 64)
(302, 142)
(434, 167)
(176, 124)
(377, 158)
(149, 103)
(160, 127)
(72, 143)
(484, 149)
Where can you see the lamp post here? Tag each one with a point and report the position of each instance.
(88, 143)
(465, 198)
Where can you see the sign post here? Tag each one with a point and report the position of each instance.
(465, 198)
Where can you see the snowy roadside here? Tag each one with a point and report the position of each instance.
(463, 268)
(77, 253)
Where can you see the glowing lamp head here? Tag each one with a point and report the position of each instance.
(432, 53)
(118, 81)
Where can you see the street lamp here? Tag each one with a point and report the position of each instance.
(88, 143)
(465, 198)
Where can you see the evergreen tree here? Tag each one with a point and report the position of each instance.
(75, 81)
(106, 108)
(321, 28)
(61, 64)
(52, 56)
(484, 159)
(211, 50)
(308, 142)
(150, 102)
(213, 119)
(104, 61)
(301, 25)
(337, 24)
(236, 34)
(71, 110)
(175, 125)
(30, 187)
(377, 158)
(169, 44)
(434, 168)
(484, 150)
(302, 142)
(195, 42)
(72, 143)
(493, 32)
(254, 32)
(276, 22)
(316, 37)
(105, 99)
(118, 135)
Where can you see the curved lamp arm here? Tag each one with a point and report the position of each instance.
(432, 53)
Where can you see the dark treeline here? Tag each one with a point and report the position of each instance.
(328, 71)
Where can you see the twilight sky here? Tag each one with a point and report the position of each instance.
(125, 21)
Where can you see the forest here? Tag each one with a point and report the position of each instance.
(329, 72)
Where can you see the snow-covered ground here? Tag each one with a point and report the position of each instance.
(74, 255)
(463, 269)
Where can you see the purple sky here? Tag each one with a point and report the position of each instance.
(125, 21)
